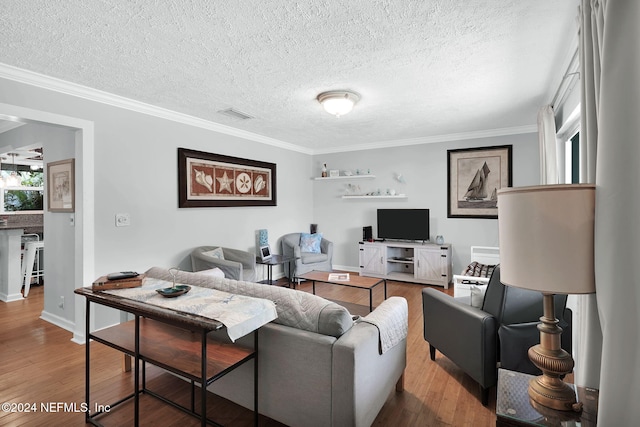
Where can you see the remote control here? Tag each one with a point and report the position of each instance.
(122, 275)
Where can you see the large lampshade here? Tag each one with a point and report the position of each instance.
(546, 238)
(546, 245)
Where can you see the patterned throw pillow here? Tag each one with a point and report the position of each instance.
(310, 242)
(479, 270)
(215, 253)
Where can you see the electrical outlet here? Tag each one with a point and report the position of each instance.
(61, 303)
(123, 220)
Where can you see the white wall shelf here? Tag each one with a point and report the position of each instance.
(343, 177)
(397, 196)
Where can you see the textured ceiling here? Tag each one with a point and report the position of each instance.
(423, 68)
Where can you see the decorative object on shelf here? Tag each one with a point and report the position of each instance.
(473, 177)
(313, 228)
(338, 102)
(400, 178)
(439, 239)
(334, 172)
(214, 180)
(370, 196)
(348, 173)
(324, 170)
(547, 245)
(391, 192)
(353, 189)
(61, 186)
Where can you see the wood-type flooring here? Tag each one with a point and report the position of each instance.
(41, 368)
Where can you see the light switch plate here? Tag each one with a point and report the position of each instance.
(123, 220)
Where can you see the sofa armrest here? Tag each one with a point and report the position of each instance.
(247, 259)
(362, 377)
(326, 247)
(465, 334)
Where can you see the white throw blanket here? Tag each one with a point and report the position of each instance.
(391, 321)
(240, 314)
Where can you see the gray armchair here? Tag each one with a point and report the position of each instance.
(237, 264)
(305, 261)
(476, 339)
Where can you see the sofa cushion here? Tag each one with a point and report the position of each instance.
(310, 242)
(215, 272)
(477, 269)
(312, 258)
(297, 309)
(215, 253)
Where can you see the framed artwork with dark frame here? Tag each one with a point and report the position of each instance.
(61, 186)
(214, 180)
(474, 175)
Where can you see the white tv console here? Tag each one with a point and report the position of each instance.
(426, 263)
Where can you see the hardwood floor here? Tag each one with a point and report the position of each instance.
(40, 366)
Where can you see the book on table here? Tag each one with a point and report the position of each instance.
(339, 277)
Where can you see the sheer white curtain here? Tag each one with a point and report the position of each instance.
(548, 145)
(610, 61)
(588, 333)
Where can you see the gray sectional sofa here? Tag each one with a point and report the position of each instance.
(317, 366)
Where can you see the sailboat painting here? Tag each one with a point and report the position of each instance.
(475, 175)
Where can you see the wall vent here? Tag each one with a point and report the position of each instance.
(231, 112)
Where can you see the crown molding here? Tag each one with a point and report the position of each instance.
(62, 86)
(488, 133)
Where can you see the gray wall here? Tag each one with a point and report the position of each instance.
(424, 168)
(59, 252)
(136, 173)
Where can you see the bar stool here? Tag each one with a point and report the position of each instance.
(31, 266)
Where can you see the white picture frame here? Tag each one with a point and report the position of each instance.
(265, 252)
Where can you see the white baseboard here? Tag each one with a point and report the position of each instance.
(58, 321)
(10, 298)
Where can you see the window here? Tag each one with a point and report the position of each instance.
(572, 160)
(29, 196)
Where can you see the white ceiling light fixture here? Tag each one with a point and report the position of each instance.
(338, 102)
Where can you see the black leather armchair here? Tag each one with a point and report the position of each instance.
(477, 339)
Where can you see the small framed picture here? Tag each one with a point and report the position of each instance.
(61, 186)
(334, 172)
(265, 252)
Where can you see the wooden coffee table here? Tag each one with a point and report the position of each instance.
(355, 281)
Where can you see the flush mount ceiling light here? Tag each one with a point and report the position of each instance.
(338, 102)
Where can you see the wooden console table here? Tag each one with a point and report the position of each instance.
(514, 408)
(166, 338)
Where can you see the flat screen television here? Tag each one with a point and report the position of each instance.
(403, 224)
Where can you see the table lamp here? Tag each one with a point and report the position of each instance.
(546, 244)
